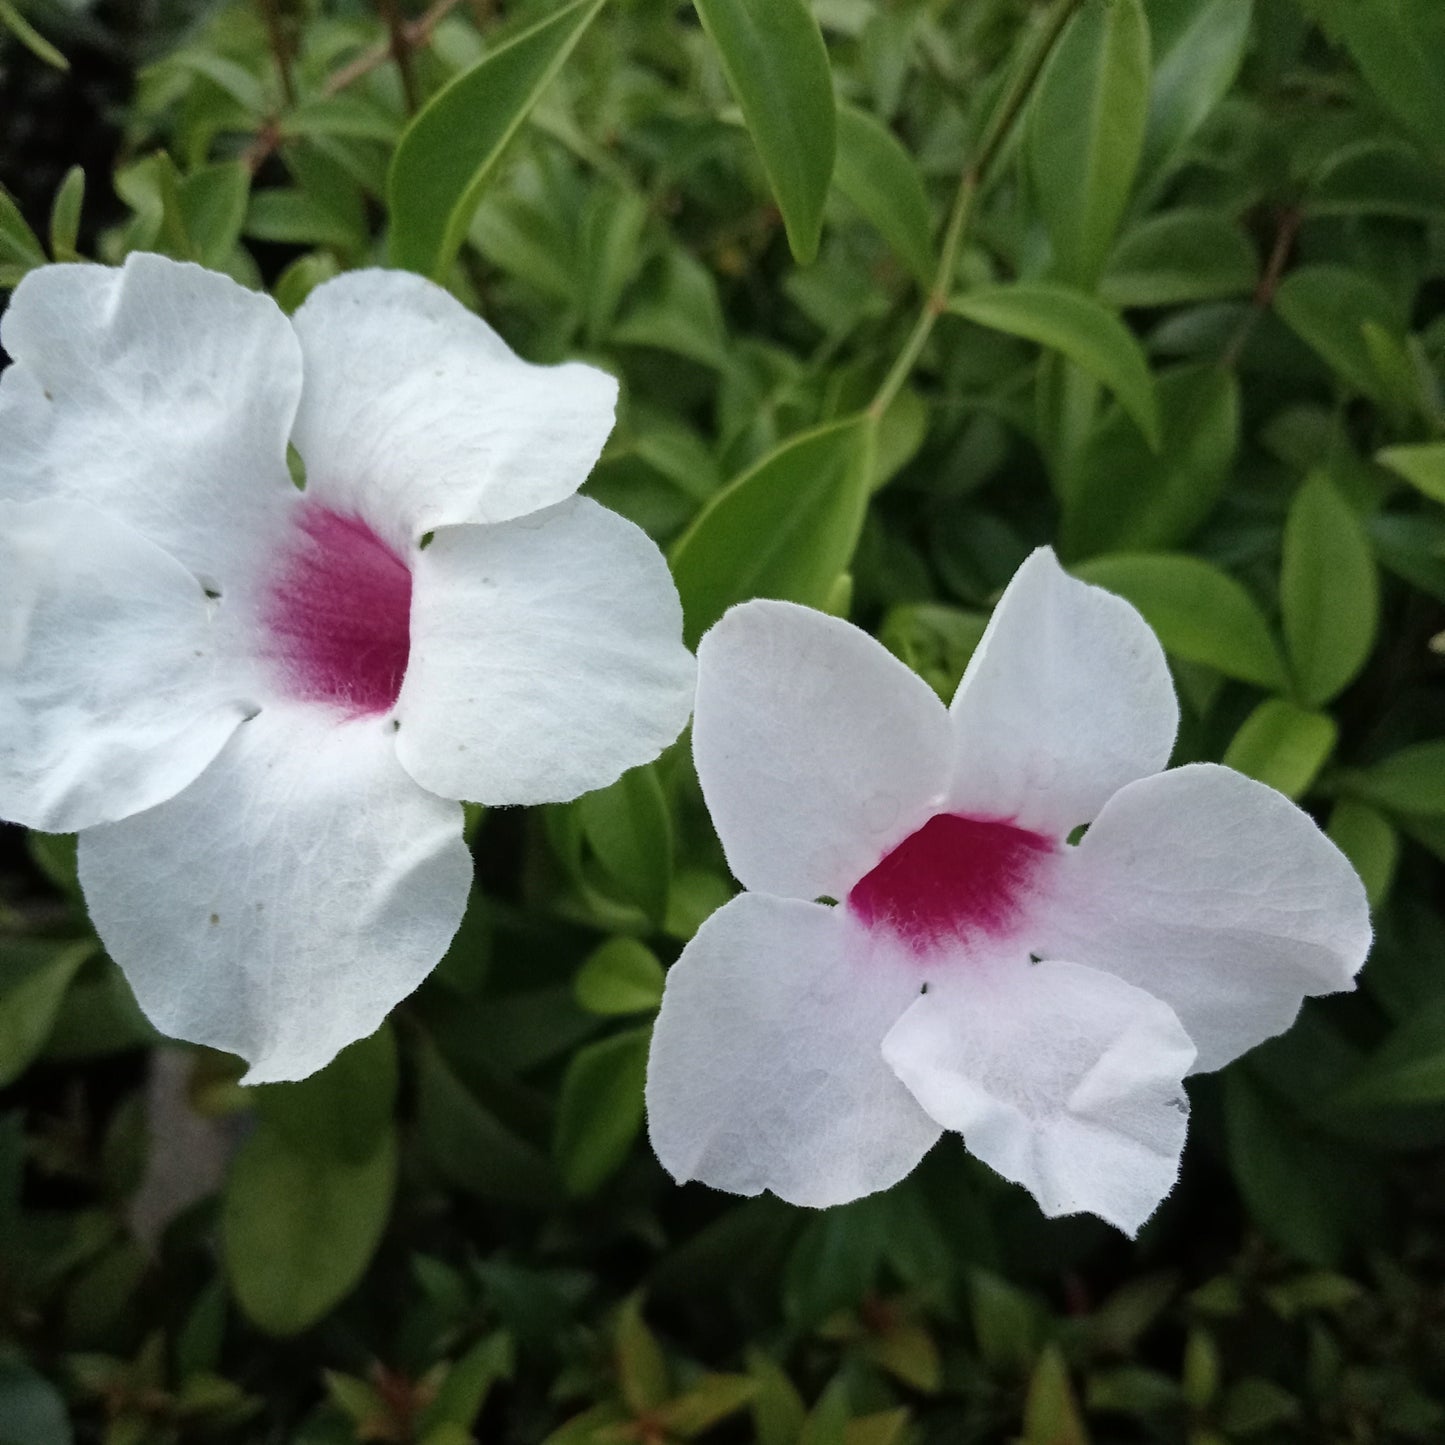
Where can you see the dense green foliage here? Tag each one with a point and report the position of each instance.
(897, 289)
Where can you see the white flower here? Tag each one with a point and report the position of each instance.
(819, 1051)
(256, 702)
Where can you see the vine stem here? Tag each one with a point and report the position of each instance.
(1000, 123)
(399, 43)
(280, 48)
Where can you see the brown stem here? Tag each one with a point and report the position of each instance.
(1290, 220)
(418, 33)
(399, 45)
(280, 48)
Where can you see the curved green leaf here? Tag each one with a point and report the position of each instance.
(1409, 781)
(1078, 327)
(450, 150)
(1422, 466)
(1282, 745)
(879, 176)
(1329, 591)
(1086, 130)
(1186, 255)
(1199, 612)
(785, 529)
(773, 55)
(1329, 308)
(600, 1109)
(299, 1226)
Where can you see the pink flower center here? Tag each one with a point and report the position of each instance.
(339, 614)
(954, 878)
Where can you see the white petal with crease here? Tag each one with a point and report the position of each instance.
(113, 695)
(546, 657)
(1217, 895)
(160, 393)
(1063, 1079)
(817, 749)
(1067, 698)
(286, 901)
(765, 1071)
(416, 412)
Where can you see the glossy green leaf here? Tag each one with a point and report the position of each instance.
(1329, 591)
(1409, 781)
(629, 829)
(299, 1227)
(879, 176)
(599, 1111)
(1422, 466)
(773, 55)
(786, 528)
(1122, 496)
(1378, 178)
(450, 151)
(622, 976)
(1282, 745)
(1200, 613)
(1078, 327)
(1328, 307)
(1368, 839)
(1198, 48)
(1086, 131)
(65, 215)
(20, 251)
(346, 1108)
(1409, 1067)
(34, 976)
(13, 21)
(1179, 256)
(1397, 44)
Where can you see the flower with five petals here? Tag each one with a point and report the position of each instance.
(256, 702)
(980, 971)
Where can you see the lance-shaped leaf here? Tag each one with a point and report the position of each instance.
(773, 55)
(1078, 327)
(450, 151)
(785, 529)
(878, 175)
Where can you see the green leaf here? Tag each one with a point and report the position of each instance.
(629, 828)
(1200, 613)
(786, 528)
(213, 201)
(778, 1410)
(12, 20)
(879, 176)
(773, 55)
(466, 1384)
(1328, 308)
(1078, 327)
(1409, 781)
(450, 151)
(1086, 131)
(1179, 256)
(1121, 496)
(1422, 466)
(1198, 47)
(599, 1111)
(623, 976)
(642, 1369)
(1409, 1068)
(19, 247)
(1051, 1411)
(1329, 591)
(346, 1108)
(299, 1226)
(65, 215)
(706, 1402)
(1367, 838)
(679, 312)
(1282, 745)
(1396, 43)
(1377, 178)
(34, 976)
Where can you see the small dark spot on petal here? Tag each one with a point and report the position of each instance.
(215, 919)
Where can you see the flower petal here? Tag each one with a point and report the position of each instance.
(158, 392)
(1067, 698)
(288, 899)
(417, 414)
(1063, 1079)
(112, 698)
(546, 657)
(818, 750)
(1219, 896)
(765, 1071)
